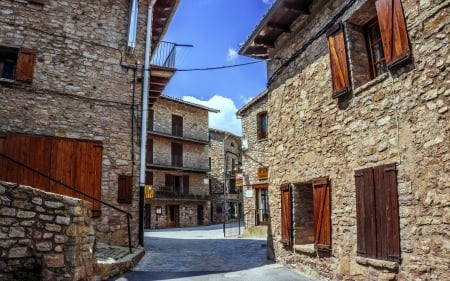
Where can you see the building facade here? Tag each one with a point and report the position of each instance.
(71, 83)
(177, 164)
(225, 188)
(255, 165)
(359, 157)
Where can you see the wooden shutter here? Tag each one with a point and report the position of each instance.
(125, 192)
(177, 154)
(149, 178)
(365, 213)
(177, 125)
(393, 32)
(286, 215)
(25, 65)
(185, 185)
(169, 181)
(387, 220)
(322, 213)
(338, 61)
(150, 118)
(149, 151)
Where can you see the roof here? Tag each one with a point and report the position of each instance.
(189, 103)
(217, 131)
(163, 11)
(276, 21)
(261, 95)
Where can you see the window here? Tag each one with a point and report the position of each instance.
(125, 192)
(177, 125)
(262, 126)
(148, 178)
(306, 214)
(377, 213)
(365, 47)
(177, 154)
(232, 186)
(177, 185)
(17, 64)
(375, 48)
(150, 119)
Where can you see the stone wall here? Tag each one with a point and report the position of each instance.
(401, 117)
(43, 236)
(80, 88)
(255, 156)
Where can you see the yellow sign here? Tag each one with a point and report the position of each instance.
(262, 173)
(148, 191)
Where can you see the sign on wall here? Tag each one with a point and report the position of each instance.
(262, 173)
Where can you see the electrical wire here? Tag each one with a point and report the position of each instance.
(219, 67)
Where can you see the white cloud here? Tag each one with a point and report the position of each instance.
(226, 119)
(232, 54)
(268, 1)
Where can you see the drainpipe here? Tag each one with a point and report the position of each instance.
(132, 26)
(144, 115)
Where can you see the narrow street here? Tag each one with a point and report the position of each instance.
(202, 253)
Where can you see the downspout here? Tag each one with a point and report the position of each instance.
(132, 26)
(144, 114)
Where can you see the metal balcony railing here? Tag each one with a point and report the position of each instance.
(171, 192)
(168, 54)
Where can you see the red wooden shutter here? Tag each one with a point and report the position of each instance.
(185, 185)
(393, 32)
(388, 238)
(322, 213)
(286, 215)
(365, 213)
(125, 192)
(25, 65)
(338, 61)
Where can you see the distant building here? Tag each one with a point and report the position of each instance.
(358, 145)
(225, 187)
(255, 166)
(177, 164)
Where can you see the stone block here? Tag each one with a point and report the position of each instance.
(53, 260)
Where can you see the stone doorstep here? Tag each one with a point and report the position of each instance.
(112, 260)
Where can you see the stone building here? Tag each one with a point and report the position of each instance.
(225, 159)
(254, 160)
(177, 164)
(358, 150)
(71, 78)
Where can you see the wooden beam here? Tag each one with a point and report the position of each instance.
(298, 7)
(264, 41)
(279, 26)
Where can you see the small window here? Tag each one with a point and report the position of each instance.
(125, 191)
(375, 48)
(150, 118)
(262, 126)
(17, 64)
(149, 152)
(177, 125)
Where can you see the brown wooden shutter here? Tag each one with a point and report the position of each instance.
(338, 61)
(25, 65)
(365, 213)
(150, 119)
(286, 215)
(387, 220)
(177, 154)
(185, 185)
(149, 151)
(322, 213)
(169, 181)
(177, 125)
(393, 32)
(125, 192)
(149, 178)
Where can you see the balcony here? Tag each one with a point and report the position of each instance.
(166, 167)
(180, 138)
(162, 67)
(168, 192)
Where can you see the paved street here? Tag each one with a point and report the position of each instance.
(202, 253)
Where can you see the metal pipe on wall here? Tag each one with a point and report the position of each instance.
(132, 26)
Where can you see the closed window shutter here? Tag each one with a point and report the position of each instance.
(25, 65)
(365, 213)
(286, 215)
(149, 178)
(393, 32)
(149, 151)
(169, 180)
(388, 236)
(186, 185)
(125, 191)
(322, 214)
(338, 61)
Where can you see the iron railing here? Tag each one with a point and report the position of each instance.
(171, 192)
(166, 54)
(75, 190)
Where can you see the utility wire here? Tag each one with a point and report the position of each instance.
(219, 67)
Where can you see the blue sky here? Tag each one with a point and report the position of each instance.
(216, 28)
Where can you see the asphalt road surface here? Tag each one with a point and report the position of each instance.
(203, 254)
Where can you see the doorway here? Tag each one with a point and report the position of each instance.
(173, 215)
(200, 214)
(147, 216)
